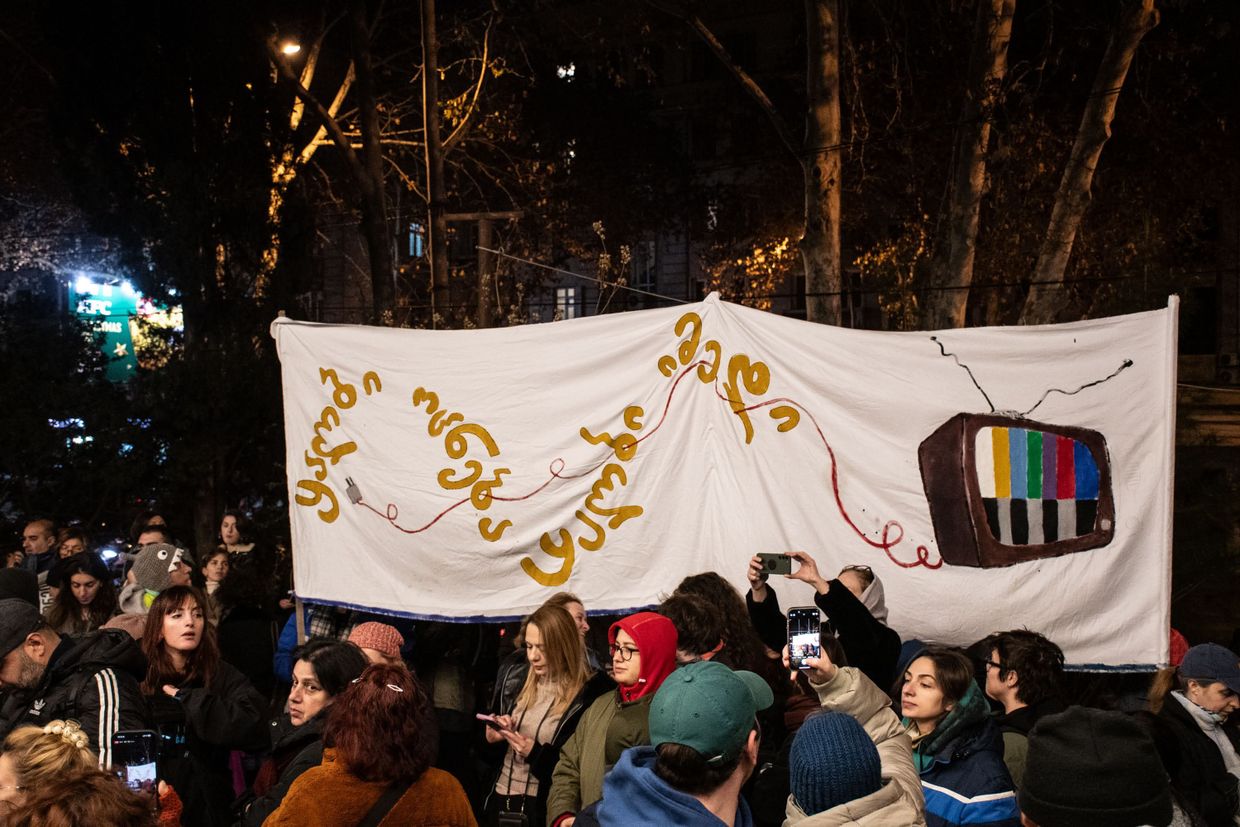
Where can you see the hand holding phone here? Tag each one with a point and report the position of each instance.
(804, 623)
(774, 563)
(491, 721)
(134, 760)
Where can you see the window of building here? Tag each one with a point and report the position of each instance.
(644, 265)
(417, 240)
(566, 303)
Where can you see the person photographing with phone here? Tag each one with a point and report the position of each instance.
(558, 688)
(804, 766)
(40, 765)
(854, 602)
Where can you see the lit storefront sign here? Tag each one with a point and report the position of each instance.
(122, 316)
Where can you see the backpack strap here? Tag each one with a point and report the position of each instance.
(386, 802)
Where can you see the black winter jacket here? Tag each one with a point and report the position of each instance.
(511, 676)
(1195, 764)
(197, 730)
(92, 679)
(294, 749)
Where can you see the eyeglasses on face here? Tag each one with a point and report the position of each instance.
(623, 653)
(998, 666)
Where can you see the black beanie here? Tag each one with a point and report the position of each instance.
(1087, 767)
(19, 583)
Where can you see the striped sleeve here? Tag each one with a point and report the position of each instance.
(109, 714)
(948, 807)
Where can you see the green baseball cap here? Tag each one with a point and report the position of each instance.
(709, 708)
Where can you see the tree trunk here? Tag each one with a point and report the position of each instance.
(953, 274)
(437, 225)
(374, 202)
(206, 515)
(820, 243)
(1046, 293)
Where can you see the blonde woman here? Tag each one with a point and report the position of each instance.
(557, 689)
(39, 757)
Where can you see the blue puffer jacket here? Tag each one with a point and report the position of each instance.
(962, 771)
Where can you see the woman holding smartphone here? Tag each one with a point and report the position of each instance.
(557, 690)
(957, 747)
(854, 603)
(201, 706)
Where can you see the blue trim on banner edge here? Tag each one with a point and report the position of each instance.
(467, 619)
(1102, 667)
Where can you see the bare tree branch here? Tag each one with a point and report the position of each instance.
(326, 120)
(459, 132)
(744, 78)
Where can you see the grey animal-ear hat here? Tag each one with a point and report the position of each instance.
(153, 567)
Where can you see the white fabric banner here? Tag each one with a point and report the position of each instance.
(994, 478)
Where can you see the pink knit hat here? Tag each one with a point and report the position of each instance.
(378, 636)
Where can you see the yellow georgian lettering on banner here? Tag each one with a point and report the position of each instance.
(742, 374)
(316, 492)
(471, 473)
(592, 533)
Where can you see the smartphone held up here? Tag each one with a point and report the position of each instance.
(804, 629)
(775, 563)
(135, 760)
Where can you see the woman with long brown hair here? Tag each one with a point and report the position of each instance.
(558, 688)
(201, 705)
(957, 747)
(379, 743)
(86, 599)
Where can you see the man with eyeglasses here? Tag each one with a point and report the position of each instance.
(1024, 671)
(705, 736)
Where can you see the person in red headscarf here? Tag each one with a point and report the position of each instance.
(643, 654)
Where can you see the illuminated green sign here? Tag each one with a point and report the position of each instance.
(113, 310)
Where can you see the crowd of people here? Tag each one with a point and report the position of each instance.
(697, 714)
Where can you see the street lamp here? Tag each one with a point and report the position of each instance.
(289, 48)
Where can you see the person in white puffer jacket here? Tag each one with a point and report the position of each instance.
(899, 801)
